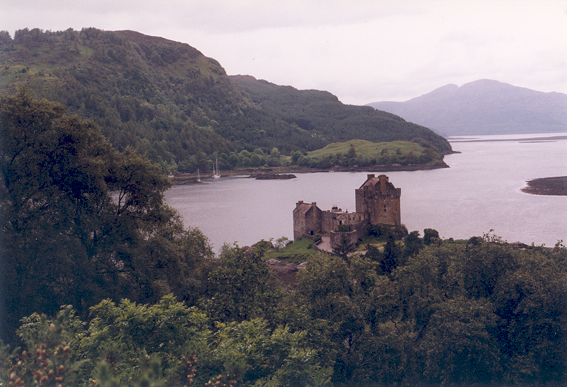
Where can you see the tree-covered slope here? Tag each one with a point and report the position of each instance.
(169, 101)
(325, 116)
(162, 97)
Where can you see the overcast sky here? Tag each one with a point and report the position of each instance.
(360, 50)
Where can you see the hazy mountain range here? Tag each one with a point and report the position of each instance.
(484, 107)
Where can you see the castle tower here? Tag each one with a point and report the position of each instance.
(379, 201)
(307, 219)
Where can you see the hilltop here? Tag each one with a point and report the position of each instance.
(167, 100)
(484, 107)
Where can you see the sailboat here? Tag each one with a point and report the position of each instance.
(198, 176)
(216, 172)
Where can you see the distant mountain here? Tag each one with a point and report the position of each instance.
(322, 114)
(169, 101)
(484, 107)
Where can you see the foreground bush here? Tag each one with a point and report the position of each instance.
(167, 344)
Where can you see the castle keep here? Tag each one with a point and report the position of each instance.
(377, 202)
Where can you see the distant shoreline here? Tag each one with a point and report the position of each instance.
(191, 178)
(473, 138)
(547, 186)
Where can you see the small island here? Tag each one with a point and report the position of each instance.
(273, 176)
(547, 186)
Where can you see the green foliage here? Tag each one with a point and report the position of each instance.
(241, 287)
(81, 221)
(345, 245)
(412, 243)
(340, 293)
(49, 357)
(252, 352)
(392, 256)
(452, 314)
(430, 236)
(166, 344)
(367, 153)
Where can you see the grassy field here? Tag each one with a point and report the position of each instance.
(295, 252)
(378, 152)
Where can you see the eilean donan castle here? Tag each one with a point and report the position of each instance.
(377, 203)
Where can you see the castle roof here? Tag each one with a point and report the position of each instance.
(303, 208)
(380, 183)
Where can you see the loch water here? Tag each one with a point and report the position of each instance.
(480, 192)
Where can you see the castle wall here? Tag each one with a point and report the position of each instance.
(334, 218)
(357, 231)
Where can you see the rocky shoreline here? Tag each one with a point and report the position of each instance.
(547, 186)
(287, 172)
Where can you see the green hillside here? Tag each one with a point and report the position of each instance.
(167, 100)
(326, 117)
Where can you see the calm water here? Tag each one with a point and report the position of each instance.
(480, 191)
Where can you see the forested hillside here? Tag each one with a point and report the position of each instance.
(168, 101)
(322, 113)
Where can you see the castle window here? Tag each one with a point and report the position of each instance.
(384, 208)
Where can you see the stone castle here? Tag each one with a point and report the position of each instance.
(377, 203)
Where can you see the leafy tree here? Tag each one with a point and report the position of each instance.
(252, 353)
(344, 247)
(275, 153)
(166, 344)
(434, 320)
(531, 302)
(295, 156)
(255, 160)
(373, 253)
(49, 357)
(81, 221)
(376, 230)
(351, 154)
(241, 287)
(412, 243)
(458, 346)
(392, 255)
(430, 236)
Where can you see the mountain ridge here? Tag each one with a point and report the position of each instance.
(484, 107)
(167, 100)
